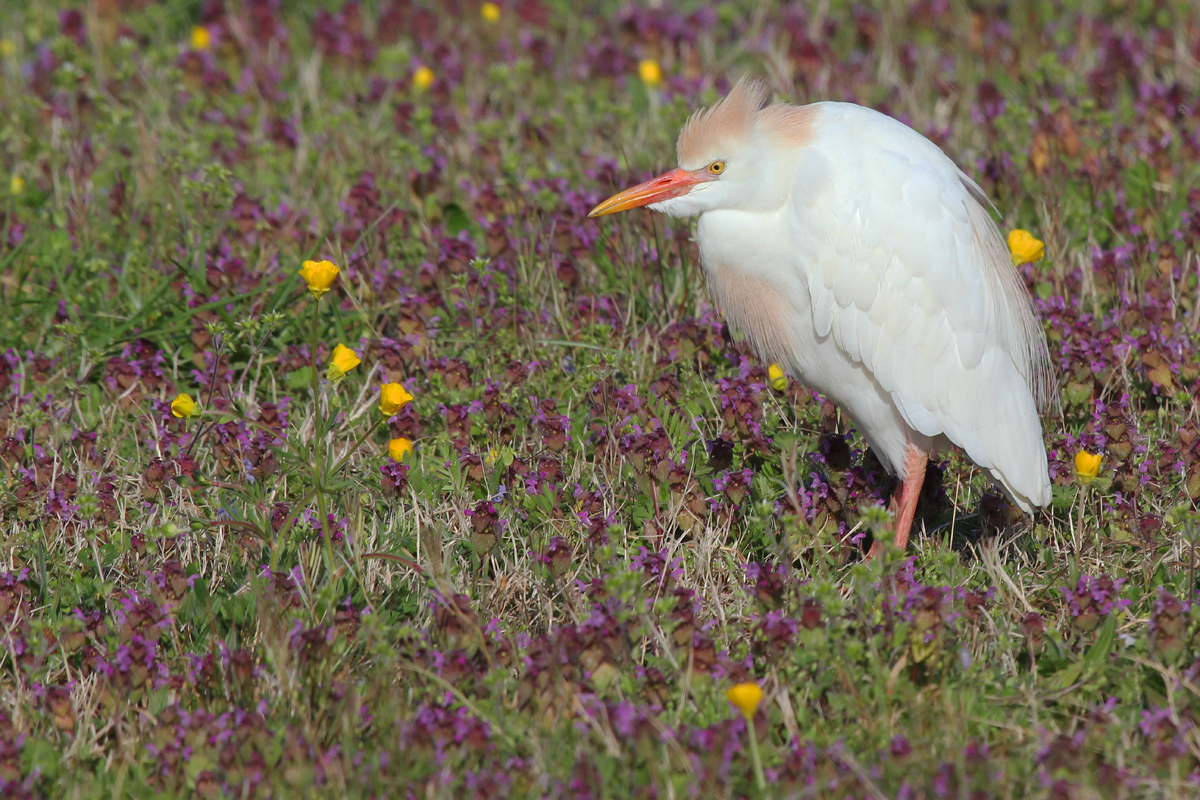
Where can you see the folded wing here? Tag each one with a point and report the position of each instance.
(909, 275)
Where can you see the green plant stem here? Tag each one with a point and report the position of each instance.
(1083, 490)
(285, 530)
(318, 426)
(204, 425)
(759, 779)
(326, 538)
(342, 462)
(321, 471)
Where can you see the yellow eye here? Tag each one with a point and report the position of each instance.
(716, 167)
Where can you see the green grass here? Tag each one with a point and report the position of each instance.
(551, 595)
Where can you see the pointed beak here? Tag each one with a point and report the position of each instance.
(664, 187)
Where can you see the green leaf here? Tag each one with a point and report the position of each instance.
(1097, 655)
(299, 378)
(1095, 658)
(455, 218)
(43, 756)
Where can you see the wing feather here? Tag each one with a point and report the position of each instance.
(911, 278)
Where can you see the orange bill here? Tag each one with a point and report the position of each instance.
(664, 187)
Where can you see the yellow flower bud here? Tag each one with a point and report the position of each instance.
(392, 398)
(1024, 248)
(17, 184)
(423, 78)
(776, 377)
(201, 38)
(7, 48)
(399, 448)
(650, 72)
(344, 359)
(183, 406)
(1087, 466)
(319, 275)
(490, 12)
(746, 696)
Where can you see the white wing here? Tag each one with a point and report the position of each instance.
(910, 277)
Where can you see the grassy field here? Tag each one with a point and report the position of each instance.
(610, 514)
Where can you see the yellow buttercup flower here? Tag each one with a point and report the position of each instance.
(392, 398)
(423, 78)
(777, 379)
(650, 72)
(183, 406)
(399, 448)
(490, 12)
(344, 359)
(17, 184)
(1024, 247)
(746, 696)
(1087, 466)
(201, 38)
(7, 48)
(319, 275)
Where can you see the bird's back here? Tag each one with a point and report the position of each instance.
(914, 317)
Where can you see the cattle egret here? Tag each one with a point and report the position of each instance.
(852, 251)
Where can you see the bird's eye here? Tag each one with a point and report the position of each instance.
(716, 167)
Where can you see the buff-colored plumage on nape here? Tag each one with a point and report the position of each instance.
(848, 248)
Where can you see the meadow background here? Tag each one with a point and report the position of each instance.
(610, 514)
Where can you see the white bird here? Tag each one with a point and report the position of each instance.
(851, 250)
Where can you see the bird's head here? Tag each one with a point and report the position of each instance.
(734, 155)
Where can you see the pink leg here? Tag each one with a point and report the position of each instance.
(904, 502)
